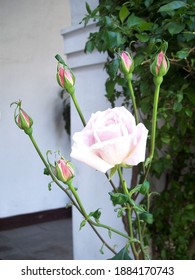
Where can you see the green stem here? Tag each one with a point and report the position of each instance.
(78, 108)
(74, 192)
(157, 82)
(50, 173)
(133, 100)
(65, 190)
(125, 190)
(129, 79)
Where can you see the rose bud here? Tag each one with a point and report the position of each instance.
(127, 63)
(65, 77)
(64, 171)
(160, 65)
(24, 121)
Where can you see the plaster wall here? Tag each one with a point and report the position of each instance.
(29, 40)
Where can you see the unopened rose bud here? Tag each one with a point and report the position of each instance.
(127, 63)
(160, 65)
(64, 171)
(24, 122)
(65, 78)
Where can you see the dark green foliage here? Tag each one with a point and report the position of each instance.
(141, 26)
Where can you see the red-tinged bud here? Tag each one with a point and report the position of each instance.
(24, 121)
(64, 171)
(65, 77)
(127, 63)
(160, 65)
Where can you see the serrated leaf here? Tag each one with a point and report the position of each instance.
(174, 5)
(123, 14)
(123, 254)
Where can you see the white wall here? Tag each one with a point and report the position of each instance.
(30, 38)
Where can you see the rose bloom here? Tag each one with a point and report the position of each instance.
(110, 137)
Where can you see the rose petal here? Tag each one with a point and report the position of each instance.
(137, 154)
(81, 152)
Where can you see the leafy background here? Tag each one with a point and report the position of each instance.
(141, 26)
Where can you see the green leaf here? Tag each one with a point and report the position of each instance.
(191, 97)
(88, 8)
(123, 14)
(182, 54)
(49, 186)
(112, 40)
(119, 198)
(188, 112)
(46, 171)
(174, 5)
(59, 58)
(175, 27)
(89, 47)
(113, 67)
(177, 107)
(165, 138)
(110, 233)
(145, 187)
(143, 37)
(96, 215)
(146, 217)
(82, 224)
(134, 21)
(122, 255)
(147, 3)
(101, 249)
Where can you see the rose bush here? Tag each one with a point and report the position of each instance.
(110, 137)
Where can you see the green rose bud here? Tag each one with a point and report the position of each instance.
(64, 171)
(126, 63)
(65, 78)
(160, 65)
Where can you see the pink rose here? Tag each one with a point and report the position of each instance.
(110, 137)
